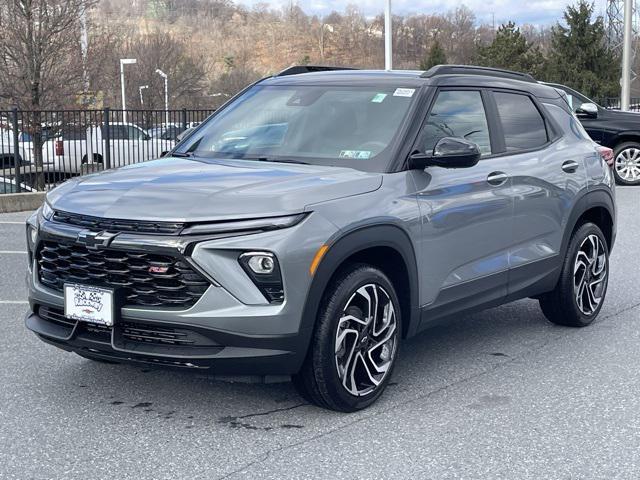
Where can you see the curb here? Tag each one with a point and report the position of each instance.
(18, 202)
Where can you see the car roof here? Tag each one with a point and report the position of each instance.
(442, 75)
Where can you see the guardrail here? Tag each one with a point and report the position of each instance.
(39, 149)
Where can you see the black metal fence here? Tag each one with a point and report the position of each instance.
(613, 103)
(39, 149)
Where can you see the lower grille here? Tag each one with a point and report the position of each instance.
(55, 315)
(147, 279)
(157, 335)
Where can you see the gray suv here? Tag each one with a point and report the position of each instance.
(320, 218)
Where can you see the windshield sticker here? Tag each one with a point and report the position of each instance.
(404, 92)
(379, 97)
(357, 154)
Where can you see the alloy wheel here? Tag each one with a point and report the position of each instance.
(627, 164)
(366, 340)
(590, 274)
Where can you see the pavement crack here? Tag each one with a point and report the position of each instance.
(237, 422)
(270, 412)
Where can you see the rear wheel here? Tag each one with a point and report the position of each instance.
(581, 289)
(626, 163)
(355, 342)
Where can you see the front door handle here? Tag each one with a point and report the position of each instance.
(497, 178)
(570, 166)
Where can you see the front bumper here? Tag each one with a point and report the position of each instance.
(237, 331)
(167, 344)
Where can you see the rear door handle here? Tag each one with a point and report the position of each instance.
(570, 166)
(497, 178)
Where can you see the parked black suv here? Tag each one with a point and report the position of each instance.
(617, 130)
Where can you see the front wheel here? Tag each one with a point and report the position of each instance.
(355, 342)
(581, 289)
(626, 164)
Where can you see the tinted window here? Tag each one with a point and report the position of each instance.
(522, 123)
(457, 113)
(117, 132)
(135, 133)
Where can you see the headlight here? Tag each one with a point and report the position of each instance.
(32, 239)
(47, 211)
(32, 235)
(263, 269)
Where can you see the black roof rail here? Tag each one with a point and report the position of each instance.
(473, 70)
(297, 69)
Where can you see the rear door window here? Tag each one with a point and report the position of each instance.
(523, 125)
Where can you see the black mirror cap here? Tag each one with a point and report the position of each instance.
(449, 152)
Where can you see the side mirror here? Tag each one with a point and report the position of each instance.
(449, 152)
(588, 109)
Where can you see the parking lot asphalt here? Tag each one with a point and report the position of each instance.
(499, 394)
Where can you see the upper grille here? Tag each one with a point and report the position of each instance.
(114, 225)
(147, 279)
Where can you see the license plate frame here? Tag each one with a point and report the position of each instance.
(90, 304)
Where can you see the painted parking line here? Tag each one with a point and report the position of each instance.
(12, 252)
(2, 222)
(13, 302)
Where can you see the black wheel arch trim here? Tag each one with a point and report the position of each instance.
(343, 245)
(593, 198)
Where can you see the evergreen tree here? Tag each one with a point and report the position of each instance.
(510, 49)
(436, 56)
(580, 57)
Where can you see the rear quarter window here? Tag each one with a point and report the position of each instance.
(523, 125)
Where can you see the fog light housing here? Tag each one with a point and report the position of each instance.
(262, 264)
(264, 271)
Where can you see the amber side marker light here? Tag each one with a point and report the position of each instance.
(317, 259)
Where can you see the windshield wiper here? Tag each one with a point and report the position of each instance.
(182, 154)
(275, 160)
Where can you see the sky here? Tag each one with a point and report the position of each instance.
(536, 12)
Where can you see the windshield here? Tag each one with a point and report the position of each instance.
(344, 126)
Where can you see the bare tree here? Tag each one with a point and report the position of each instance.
(40, 55)
(40, 60)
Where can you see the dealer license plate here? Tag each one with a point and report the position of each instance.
(88, 304)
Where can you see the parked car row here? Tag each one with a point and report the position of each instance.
(127, 144)
(74, 147)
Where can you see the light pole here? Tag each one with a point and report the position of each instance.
(123, 62)
(388, 45)
(625, 81)
(140, 88)
(166, 95)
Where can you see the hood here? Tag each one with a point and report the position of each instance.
(197, 190)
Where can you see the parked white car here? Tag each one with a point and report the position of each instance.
(25, 146)
(128, 144)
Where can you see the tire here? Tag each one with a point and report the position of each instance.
(626, 163)
(97, 158)
(574, 303)
(336, 378)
